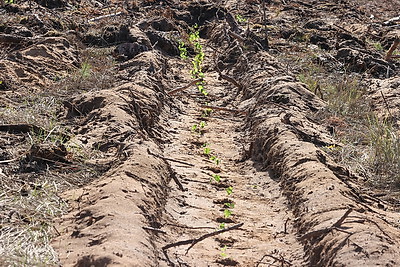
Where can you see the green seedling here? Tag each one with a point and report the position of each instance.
(216, 177)
(222, 226)
(200, 86)
(198, 59)
(206, 151)
(240, 18)
(229, 190)
(182, 50)
(206, 112)
(227, 213)
(378, 46)
(229, 205)
(194, 128)
(194, 33)
(215, 159)
(223, 252)
(85, 69)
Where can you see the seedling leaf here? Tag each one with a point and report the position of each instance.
(229, 190)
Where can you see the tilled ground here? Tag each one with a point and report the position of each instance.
(102, 135)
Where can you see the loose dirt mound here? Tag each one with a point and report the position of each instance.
(45, 60)
(179, 133)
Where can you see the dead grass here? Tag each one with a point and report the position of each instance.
(385, 145)
(96, 73)
(30, 189)
(371, 144)
(26, 222)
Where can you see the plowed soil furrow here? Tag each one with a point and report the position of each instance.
(258, 202)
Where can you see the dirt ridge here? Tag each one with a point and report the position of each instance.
(299, 162)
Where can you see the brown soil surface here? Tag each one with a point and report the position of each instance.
(142, 170)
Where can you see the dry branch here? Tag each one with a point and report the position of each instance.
(173, 174)
(386, 104)
(389, 54)
(281, 260)
(154, 229)
(236, 36)
(231, 80)
(228, 78)
(184, 87)
(9, 160)
(392, 20)
(341, 220)
(190, 227)
(194, 241)
(169, 159)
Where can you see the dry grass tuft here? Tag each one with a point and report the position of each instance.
(97, 72)
(29, 187)
(371, 144)
(26, 222)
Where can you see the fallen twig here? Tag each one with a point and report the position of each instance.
(228, 78)
(236, 36)
(173, 174)
(320, 232)
(392, 20)
(231, 80)
(154, 229)
(12, 39)
(184, 87)
(341, 220)
(285, 226)
(194, 241)
(265, 25)
(169, 159)
(389, 54)
(282, 260)
(190, 227)
(9, 160)
(178, 183)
